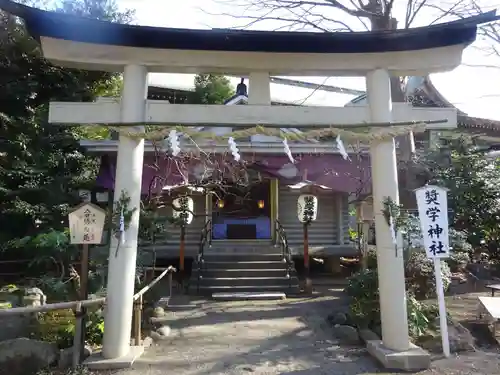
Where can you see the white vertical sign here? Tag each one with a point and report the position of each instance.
(432, 204)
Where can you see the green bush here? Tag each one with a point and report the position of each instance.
(364, 309)
(59, 327)
(419, 272)
(421, 316)
(458, 260)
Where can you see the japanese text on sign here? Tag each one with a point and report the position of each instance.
(433, 215)
(86, 224)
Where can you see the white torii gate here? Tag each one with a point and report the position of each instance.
(134, 108)
(135, 50)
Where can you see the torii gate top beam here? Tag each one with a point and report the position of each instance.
(98, 45)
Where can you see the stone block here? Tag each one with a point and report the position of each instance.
(98, 362)
(413, 359)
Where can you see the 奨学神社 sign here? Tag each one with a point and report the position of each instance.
(86, 224)
(432, 204)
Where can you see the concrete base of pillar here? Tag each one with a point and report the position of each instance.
(413, 359)
(98, 362)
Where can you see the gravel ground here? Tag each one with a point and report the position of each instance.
(286, 337)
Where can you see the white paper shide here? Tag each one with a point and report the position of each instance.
(433, 214)
(86, 223)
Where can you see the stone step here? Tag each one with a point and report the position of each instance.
(229, 258)
(243, 250)
(246, 281)
(245, 272)
(252, 265)
(245, 296)
(208, 290)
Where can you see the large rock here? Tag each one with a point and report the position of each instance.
(159, 312)
(33, 353)
(460, 340)
(34, 297)
(347, 334)
(161, 333)
(11, 294)
(15, 326)
(338, 318)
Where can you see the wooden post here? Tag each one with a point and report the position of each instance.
(170, 279)
(181, 253)
(308, 283)
(84, 293)
(137, 320)
(77, 340)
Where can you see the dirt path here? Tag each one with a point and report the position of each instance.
(289, 337)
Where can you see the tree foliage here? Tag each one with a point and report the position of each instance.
(473, 181)
(41, 165)
(211, 89)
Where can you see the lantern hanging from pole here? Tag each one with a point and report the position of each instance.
(183, 209)
(220, 203)
(307, 208)
(261, 204)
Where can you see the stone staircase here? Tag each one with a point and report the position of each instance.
(243, 270)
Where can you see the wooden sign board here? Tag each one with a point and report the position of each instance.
(86, 224)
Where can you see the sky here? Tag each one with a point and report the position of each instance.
(473, 87)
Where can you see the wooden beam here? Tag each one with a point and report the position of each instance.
(159, 112)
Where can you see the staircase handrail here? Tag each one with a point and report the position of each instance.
(205, 237)
(286, 252)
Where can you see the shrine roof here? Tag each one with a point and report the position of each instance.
(427, 95)
(483, 126)
(56, 25)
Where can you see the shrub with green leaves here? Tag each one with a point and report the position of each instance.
(365, 304)
(419, 272)
(364, 309)
(421, 316)
(458, 260)
(59, 327)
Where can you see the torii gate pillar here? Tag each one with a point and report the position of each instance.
(385, 184)
(122, 262)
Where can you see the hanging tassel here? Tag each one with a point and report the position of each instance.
(122, 228)
(392, 228)
(342, 150)
(234, 149)
(287, 150)
(173, 139)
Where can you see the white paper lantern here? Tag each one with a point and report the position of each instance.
(184, 208)
(307, 208)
